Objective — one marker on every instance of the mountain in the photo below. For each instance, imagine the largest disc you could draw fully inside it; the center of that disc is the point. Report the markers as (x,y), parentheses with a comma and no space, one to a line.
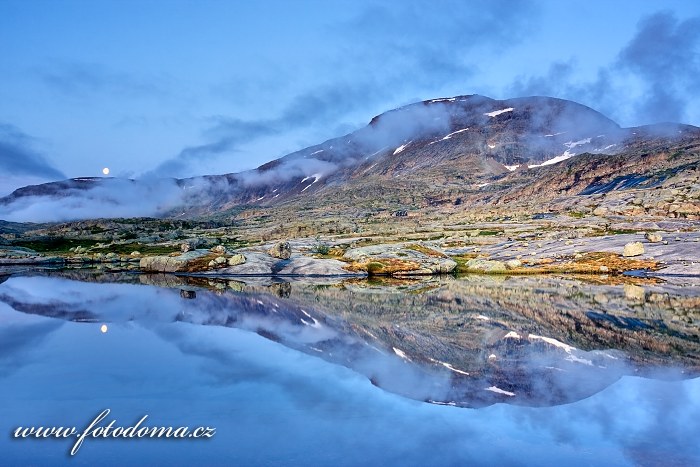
(448,156)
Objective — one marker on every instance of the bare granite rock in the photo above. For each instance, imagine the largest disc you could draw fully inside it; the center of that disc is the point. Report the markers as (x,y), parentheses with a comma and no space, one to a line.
(281,250)
(181,263)
(633,249)
(399,259)
(653,237)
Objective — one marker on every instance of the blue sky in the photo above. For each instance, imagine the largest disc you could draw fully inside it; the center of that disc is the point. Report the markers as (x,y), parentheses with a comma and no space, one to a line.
(184,88)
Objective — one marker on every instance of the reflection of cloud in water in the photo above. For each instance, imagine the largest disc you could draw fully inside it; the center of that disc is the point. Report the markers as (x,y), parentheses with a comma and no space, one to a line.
(271,403)
(532,370)
(19,335)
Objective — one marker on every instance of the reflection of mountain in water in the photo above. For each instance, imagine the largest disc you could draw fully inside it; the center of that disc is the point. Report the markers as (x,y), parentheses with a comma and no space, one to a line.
(470,341)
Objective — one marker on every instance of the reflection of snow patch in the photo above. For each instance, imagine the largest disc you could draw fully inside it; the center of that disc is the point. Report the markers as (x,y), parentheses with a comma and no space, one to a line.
(447,365)
(499,112)
(500,391)
(315,323)
(442,403)
(401,354)
(567,348)
(575,359)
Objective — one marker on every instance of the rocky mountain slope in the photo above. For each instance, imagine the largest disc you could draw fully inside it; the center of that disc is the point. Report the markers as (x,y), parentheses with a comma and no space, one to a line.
(457,156)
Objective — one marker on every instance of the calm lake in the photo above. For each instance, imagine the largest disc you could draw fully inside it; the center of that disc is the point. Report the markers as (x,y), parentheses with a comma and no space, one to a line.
(467,370)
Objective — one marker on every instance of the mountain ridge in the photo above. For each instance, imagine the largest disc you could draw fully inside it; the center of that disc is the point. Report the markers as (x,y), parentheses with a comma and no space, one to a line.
(463,141)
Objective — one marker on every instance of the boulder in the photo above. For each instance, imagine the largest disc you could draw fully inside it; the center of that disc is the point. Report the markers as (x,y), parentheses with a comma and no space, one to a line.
(652,237)
(399,259)
(633,249)
(281,250)
(513,263)
(235,260)
(487,266)
(219,249)
(184,262)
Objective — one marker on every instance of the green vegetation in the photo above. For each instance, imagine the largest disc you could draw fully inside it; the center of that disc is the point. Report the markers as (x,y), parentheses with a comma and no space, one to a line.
(55,244)
(145,250)
(461,261)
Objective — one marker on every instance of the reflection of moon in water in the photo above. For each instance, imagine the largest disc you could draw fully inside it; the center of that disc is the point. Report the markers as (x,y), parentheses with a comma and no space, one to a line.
(105,171)
(103,328)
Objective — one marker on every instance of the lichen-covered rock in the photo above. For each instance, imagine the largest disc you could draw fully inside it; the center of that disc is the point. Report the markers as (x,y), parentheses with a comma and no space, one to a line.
(653,237)
(399,259)
(633,249)
(235,260)
(513,263)
(185,262)
(218,249)
(485,265)
(281,250)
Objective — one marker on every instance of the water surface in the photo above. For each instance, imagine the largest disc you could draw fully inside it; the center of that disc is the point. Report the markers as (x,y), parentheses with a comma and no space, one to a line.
(440,371)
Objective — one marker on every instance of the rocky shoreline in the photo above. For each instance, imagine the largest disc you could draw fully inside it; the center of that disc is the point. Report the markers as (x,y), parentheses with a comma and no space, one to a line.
(512,250)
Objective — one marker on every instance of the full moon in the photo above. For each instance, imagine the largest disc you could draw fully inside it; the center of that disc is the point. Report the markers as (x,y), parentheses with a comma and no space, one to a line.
(103,328)
(105,171)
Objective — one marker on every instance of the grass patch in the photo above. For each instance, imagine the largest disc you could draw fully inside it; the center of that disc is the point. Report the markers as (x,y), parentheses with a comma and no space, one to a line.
(426,251)
(55,244)
(461,261)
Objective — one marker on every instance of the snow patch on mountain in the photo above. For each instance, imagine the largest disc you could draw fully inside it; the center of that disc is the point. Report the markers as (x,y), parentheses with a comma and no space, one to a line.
(555,160)
(316,178)
(512,167)
(453,133)
(401,148)
(499,112)
(573,144)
